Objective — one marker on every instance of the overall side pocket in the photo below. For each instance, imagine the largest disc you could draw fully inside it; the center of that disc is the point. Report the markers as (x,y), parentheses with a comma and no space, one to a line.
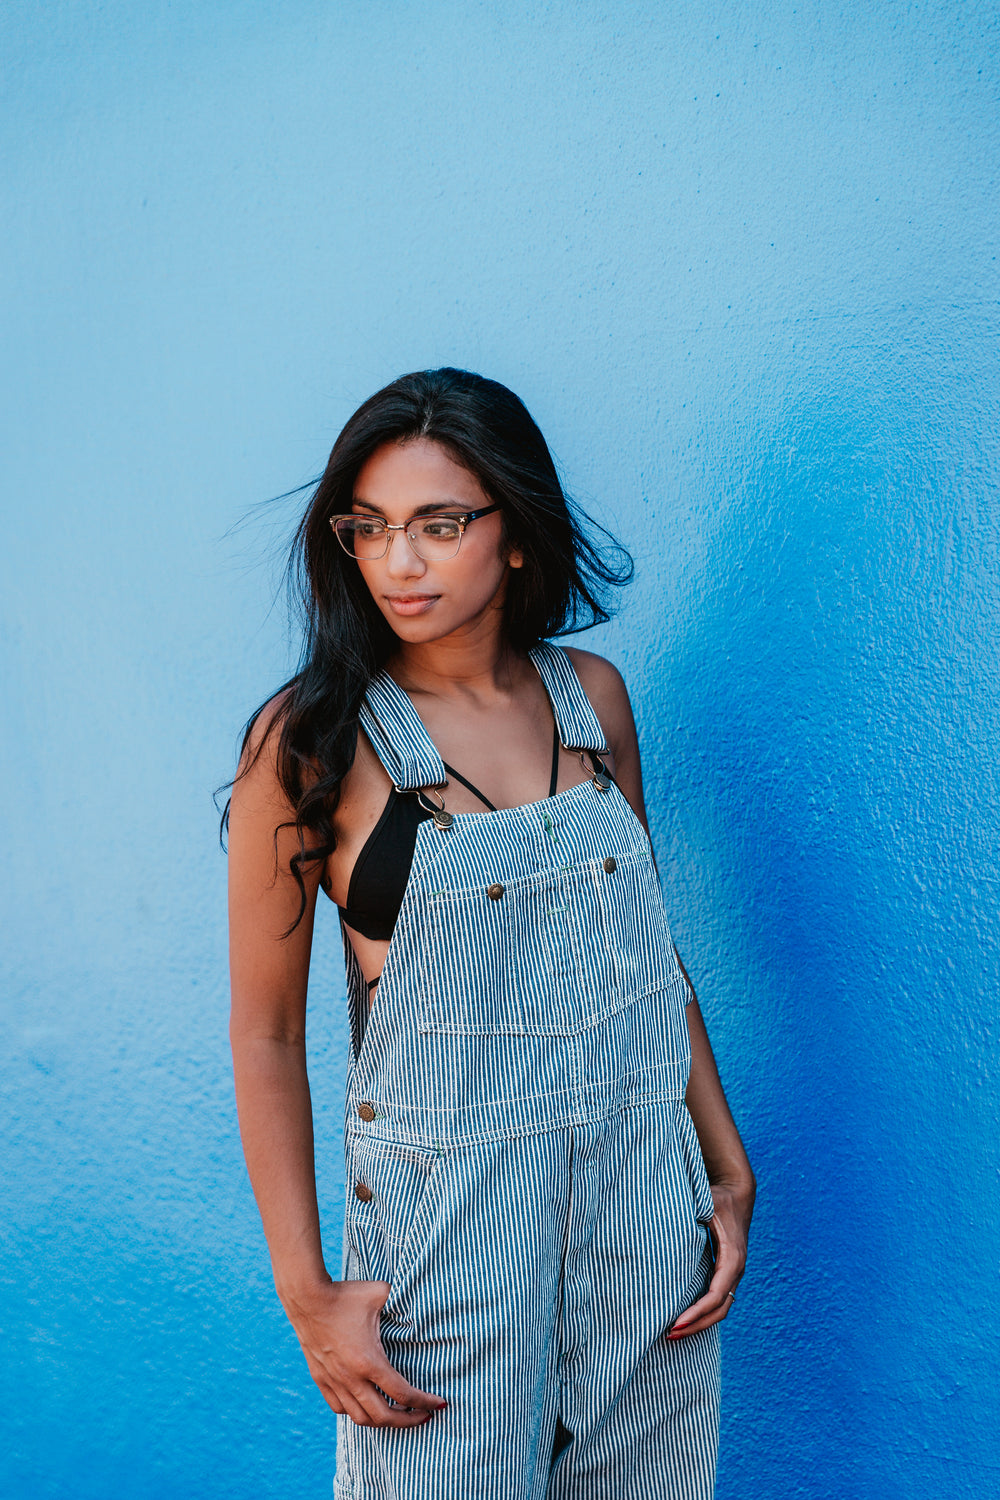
(387,1207)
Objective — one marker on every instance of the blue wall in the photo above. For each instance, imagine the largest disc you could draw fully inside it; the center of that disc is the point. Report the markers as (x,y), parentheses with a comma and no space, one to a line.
(741,264)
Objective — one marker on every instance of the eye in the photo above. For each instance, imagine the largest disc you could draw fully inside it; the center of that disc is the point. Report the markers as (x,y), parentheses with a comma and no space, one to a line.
(438,528)
(363,527)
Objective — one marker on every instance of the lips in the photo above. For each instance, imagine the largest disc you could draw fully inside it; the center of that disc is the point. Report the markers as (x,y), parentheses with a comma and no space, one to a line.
(410,604)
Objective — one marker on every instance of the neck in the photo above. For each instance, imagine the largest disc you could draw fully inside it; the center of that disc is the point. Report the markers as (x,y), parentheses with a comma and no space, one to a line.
(477,659)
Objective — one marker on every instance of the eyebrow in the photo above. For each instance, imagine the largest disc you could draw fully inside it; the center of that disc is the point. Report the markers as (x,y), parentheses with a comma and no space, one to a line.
(436,508)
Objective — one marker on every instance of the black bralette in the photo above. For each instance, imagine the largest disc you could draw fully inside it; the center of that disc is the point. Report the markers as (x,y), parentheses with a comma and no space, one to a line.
(382,869)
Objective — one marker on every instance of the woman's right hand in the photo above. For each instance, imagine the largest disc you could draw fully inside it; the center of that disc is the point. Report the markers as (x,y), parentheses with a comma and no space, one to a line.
(338,1327)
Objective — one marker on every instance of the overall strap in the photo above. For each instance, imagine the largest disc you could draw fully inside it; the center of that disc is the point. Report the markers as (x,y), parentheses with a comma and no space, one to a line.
(399,738)
(577,723)
(408,753)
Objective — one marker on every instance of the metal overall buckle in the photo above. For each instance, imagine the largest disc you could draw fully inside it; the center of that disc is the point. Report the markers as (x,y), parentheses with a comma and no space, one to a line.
(439,813)
(599,773)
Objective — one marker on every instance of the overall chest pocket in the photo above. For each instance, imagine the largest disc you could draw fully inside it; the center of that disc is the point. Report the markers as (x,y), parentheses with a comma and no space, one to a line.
(637,926)
(547,954)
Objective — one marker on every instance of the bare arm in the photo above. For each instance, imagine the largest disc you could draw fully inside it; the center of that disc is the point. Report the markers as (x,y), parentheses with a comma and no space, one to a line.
(729,1172)
(269,977)
(336,1322)
(730,1176)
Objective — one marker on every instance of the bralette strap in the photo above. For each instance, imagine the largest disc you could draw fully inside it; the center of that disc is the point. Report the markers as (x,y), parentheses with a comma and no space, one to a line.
(579,728)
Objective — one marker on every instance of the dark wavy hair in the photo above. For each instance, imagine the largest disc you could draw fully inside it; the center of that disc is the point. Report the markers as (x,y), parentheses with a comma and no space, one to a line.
(560,589)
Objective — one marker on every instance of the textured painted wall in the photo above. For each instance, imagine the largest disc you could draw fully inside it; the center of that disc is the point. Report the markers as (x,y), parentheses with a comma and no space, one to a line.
(741,264)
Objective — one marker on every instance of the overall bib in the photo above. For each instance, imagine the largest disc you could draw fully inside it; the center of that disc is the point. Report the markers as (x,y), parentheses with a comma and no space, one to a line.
(521,1165)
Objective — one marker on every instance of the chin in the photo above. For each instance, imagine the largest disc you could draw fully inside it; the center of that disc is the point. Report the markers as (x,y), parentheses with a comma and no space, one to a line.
(418,629)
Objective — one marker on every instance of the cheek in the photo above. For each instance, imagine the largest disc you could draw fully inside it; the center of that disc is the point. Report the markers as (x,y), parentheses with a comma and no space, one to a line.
(484,555)
(370,576)
(483,572)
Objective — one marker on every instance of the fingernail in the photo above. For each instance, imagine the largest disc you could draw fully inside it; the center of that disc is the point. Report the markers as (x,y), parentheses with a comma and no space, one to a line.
(443,1406)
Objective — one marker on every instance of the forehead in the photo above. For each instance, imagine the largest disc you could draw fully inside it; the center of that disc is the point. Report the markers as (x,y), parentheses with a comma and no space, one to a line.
(408,475)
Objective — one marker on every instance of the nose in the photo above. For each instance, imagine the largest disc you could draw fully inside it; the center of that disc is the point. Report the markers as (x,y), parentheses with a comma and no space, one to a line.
(401,561)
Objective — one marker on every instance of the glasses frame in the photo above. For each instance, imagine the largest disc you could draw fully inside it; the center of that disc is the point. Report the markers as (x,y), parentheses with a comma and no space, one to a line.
(463,518)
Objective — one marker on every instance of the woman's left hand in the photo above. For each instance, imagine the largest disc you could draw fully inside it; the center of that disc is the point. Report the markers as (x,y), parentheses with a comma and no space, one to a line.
(729,1227)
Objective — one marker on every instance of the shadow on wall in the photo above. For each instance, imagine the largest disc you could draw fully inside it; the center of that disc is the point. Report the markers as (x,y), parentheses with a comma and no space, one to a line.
(836,676)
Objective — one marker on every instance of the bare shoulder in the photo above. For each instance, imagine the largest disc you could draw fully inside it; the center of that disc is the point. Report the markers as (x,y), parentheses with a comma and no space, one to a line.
(257,779)
(605,687)
(265,727)
(601,678)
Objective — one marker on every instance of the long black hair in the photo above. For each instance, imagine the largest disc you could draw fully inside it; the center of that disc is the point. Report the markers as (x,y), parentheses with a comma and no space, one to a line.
(560,588)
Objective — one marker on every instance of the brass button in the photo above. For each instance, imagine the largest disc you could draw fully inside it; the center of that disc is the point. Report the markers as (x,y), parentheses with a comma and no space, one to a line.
(494,891)
(362,1193)
(610,864)
(366,1111)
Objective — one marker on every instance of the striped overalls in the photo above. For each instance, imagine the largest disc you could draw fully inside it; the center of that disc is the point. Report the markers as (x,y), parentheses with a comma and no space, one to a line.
(521,1165)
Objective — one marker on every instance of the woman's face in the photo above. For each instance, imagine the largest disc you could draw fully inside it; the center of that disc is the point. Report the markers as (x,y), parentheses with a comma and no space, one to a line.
(425,601)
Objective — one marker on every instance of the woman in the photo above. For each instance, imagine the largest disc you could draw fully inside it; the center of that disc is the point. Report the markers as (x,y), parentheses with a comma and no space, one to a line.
(530,1298)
